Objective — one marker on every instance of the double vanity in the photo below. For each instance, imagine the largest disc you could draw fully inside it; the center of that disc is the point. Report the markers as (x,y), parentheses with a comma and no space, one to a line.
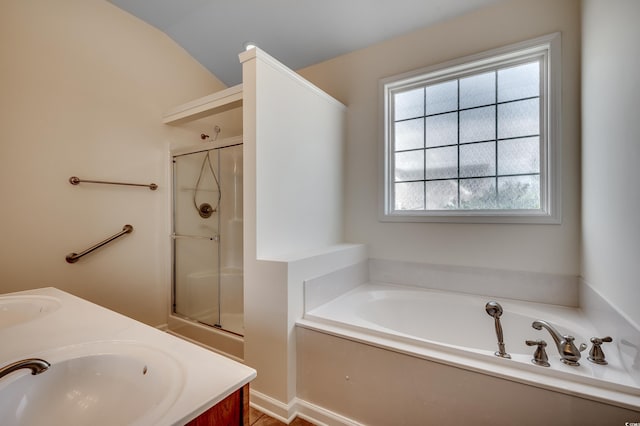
(95,366)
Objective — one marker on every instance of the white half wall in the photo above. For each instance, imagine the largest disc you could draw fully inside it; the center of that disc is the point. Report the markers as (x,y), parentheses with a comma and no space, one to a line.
(299,132)
(611,152)
(293,217)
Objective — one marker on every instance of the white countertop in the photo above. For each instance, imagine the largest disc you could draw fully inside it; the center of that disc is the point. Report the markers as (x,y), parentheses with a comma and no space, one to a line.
(207,377)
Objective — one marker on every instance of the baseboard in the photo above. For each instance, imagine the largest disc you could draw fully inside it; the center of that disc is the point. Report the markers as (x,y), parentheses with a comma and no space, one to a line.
(321,416)
(298,408)
(270,406)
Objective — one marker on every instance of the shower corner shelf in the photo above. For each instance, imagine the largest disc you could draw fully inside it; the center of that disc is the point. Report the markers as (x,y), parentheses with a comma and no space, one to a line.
(215,103)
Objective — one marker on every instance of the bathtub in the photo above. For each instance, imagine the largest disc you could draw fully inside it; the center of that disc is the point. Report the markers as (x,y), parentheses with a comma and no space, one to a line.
(454,329)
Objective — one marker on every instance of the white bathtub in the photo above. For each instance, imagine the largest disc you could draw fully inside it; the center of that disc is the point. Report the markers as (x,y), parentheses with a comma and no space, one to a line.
(454,329)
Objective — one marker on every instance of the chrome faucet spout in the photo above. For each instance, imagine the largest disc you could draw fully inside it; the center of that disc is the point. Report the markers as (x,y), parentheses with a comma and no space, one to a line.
(557,337)
(569,353)
(36,365)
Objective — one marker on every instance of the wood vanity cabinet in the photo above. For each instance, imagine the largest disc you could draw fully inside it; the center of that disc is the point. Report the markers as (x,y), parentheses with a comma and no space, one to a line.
(231,411)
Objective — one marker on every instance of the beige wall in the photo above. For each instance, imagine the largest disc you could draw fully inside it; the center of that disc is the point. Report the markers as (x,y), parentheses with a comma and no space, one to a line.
(353,79)
(611,152)
(84,86)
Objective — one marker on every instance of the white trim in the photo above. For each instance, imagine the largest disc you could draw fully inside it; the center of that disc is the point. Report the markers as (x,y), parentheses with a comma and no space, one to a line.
(297,407)
(548,48)
(206,146)
(256,53)
(321,416)
(215,103)
(272,407)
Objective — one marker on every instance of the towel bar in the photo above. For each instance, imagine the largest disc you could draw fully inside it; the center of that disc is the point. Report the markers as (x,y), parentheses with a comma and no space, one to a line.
(74,180)
(73,257)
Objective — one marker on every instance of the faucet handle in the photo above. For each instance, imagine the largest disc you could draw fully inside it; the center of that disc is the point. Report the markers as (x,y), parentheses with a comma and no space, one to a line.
(540,355)
(570,339)
(596,355)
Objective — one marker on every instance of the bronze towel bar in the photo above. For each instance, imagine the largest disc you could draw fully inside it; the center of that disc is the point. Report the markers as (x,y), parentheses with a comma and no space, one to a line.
(74,180)
(73,257)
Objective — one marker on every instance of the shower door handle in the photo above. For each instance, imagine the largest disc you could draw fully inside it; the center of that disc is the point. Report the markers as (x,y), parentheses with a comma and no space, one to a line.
(215,237)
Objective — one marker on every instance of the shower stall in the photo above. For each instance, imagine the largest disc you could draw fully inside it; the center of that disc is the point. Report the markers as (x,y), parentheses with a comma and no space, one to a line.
(207,235)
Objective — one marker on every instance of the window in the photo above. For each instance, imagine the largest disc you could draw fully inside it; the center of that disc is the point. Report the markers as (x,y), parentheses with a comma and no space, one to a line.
(475,140)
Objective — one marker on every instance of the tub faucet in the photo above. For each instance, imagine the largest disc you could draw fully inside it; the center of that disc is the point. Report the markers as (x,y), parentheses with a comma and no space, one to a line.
(36,366)
(569,354)
(494,309)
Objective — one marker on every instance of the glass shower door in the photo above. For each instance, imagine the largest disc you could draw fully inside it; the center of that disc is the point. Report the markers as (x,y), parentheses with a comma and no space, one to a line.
(207,236)
(196,238)
(231,260)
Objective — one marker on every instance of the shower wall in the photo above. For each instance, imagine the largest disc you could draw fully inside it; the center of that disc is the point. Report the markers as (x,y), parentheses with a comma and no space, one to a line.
(207,255)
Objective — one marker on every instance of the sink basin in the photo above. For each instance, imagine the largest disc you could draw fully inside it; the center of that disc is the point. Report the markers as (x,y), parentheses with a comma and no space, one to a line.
(103,383)
(19,309)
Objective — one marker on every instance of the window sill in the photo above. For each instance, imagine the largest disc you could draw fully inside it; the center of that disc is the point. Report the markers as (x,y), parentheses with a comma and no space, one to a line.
(496,217)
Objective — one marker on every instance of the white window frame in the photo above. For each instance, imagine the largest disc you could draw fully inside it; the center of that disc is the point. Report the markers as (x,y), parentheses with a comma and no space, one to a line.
(547,48)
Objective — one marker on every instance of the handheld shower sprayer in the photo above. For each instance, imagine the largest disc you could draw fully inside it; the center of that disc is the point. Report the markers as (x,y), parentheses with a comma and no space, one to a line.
(494,310)
(205,210)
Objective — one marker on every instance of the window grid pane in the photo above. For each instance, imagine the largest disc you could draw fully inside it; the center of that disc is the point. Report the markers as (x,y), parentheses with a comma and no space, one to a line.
(461,145)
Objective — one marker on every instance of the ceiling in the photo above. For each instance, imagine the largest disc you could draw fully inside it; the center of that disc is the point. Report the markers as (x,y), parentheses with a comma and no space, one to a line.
(296,32)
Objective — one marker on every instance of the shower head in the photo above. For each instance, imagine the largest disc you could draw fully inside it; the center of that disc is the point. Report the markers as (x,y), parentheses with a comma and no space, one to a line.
(494,309)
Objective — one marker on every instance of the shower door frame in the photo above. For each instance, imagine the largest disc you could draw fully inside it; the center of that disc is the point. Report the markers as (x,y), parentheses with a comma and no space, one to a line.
(193,149)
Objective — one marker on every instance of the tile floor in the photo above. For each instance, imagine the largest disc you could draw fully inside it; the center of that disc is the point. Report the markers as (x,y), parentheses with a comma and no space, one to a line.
(258,418)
